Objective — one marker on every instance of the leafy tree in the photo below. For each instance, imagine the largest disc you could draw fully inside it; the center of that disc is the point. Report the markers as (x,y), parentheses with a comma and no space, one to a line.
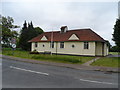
(7,34)
(38,31)
(116,34)
(14,34)
(27,33)
(7,22)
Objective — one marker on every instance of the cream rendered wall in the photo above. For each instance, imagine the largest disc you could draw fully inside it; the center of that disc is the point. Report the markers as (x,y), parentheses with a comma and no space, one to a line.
(78,49)
(46,47)
(99,48)
(33,47)
(68,49)
(105,49)
(94,48)
(90,51)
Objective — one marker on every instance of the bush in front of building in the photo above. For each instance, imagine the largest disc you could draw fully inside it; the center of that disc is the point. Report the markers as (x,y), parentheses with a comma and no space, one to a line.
(34,52)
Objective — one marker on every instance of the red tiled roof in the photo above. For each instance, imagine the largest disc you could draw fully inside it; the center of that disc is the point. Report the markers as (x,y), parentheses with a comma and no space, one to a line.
(82,34)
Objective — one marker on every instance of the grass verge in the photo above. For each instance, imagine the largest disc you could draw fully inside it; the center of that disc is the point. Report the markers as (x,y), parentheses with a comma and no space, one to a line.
(107,61)
(54,58)
(113,53)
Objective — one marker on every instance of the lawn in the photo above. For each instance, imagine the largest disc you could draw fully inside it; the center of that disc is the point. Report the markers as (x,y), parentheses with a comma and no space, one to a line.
(54,58)
(107,61)
(113,53)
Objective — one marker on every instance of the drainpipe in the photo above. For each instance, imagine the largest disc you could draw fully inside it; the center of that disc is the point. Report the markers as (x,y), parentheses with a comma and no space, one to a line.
(95,48)
(51,40)
(56,47)
(102,48)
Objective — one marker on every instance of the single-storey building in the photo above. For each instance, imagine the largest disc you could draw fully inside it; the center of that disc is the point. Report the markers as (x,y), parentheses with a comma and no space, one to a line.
(72,42)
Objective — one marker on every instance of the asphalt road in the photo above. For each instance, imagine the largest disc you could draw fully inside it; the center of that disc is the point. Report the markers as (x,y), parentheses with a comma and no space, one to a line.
(16,74)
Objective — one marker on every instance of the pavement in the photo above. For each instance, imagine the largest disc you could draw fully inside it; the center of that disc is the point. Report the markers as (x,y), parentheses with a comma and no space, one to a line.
(85,66)
(113,55)
(91,61)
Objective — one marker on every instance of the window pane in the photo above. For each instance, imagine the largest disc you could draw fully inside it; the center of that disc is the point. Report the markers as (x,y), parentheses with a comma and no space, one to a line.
(61,44)
(86,45)
(35,44)
(51,44)
(73,46)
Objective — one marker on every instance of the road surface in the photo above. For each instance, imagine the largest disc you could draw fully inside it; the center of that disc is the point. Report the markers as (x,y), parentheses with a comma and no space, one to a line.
(18,74)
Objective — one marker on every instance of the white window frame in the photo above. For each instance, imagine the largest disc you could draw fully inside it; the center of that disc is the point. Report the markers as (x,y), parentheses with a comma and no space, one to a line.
(62,45)
(86,45)
(52,44)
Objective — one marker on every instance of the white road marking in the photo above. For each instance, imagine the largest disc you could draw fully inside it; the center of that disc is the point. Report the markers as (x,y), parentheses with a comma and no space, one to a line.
(29,70)
(96,81)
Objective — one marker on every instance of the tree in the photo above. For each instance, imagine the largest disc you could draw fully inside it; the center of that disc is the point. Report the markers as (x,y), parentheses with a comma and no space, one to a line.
(7,22)
(114,49)
(38,31)
(116,34)
(23,36)
(7,34)
(27,33)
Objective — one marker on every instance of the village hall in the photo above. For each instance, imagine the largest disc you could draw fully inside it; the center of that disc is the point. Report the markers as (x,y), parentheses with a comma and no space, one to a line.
(83,42)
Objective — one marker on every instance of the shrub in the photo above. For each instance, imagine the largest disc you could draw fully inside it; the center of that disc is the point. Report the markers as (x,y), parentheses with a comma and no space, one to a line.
(34,52)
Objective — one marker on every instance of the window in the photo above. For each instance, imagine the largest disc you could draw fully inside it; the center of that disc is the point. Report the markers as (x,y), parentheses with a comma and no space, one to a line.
(73,46)
(61,44)
(52,44)
(36,45)
(43,45)
(86,45)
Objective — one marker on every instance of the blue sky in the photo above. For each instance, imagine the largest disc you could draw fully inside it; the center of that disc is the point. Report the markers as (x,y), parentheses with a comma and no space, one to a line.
(99,16)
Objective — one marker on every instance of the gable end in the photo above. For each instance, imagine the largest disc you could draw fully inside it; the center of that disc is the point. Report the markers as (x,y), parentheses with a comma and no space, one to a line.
(73,37)
(44,38)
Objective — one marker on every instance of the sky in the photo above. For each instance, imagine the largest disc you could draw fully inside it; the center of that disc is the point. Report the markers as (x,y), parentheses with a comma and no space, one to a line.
(99,15)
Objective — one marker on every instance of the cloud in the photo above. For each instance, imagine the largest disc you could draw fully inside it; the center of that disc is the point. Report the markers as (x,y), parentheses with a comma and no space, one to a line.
(49,16)
(37,1)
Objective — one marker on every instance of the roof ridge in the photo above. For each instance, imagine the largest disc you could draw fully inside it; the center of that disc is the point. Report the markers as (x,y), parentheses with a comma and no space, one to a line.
(70,30)
(51,31)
